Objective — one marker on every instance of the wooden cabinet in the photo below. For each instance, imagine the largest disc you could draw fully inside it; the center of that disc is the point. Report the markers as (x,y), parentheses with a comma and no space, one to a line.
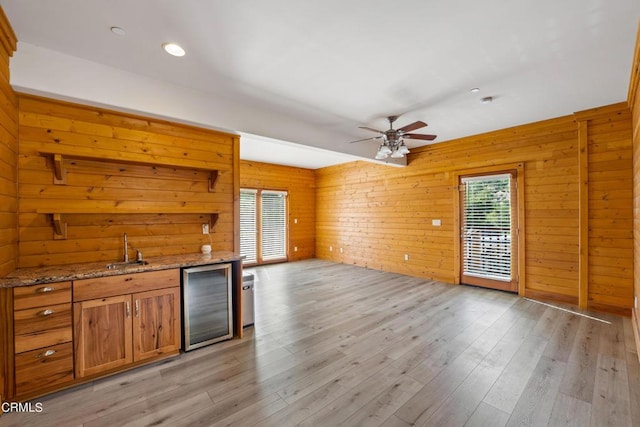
(156,323)
(42,337)
(117,330)
(102,334)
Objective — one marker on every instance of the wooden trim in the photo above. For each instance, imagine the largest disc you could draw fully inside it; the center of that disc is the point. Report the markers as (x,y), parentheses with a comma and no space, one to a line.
(520,206)
(636,333)
(598,112)
(583,215)
(7,380)
(521,229)
(457,228)
(634,79)
(236,194)
(547,296)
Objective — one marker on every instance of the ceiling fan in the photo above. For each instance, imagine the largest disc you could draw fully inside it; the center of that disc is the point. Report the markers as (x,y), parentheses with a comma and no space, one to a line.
(393,139)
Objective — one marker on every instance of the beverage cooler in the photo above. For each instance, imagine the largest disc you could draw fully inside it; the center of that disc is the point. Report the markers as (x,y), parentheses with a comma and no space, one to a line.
(207,305)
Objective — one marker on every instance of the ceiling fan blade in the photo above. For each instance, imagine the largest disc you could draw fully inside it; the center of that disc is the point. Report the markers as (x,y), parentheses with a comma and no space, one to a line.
(371,129)
(412,126)
(365,139)
(419,136)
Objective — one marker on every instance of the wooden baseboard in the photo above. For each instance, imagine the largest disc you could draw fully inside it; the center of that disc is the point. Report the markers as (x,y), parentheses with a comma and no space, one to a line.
(606,308)
(549,297)
(636,332)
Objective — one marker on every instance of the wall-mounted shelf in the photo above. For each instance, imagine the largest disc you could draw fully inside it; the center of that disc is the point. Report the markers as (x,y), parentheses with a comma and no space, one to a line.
(60,173)
(59,223)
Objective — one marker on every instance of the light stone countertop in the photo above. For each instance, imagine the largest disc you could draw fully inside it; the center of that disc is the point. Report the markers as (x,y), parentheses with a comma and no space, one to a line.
(62,273)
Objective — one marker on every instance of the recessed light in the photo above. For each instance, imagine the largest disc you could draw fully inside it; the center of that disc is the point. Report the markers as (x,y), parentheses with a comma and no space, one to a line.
(173,49)
(487,100)
(475,89)
(119,31)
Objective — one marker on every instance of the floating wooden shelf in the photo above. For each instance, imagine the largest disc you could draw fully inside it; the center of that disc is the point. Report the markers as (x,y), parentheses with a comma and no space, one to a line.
(59,223)
(60,173)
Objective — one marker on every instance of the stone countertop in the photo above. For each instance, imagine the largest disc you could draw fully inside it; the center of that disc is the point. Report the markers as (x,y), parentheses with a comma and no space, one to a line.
(62,273)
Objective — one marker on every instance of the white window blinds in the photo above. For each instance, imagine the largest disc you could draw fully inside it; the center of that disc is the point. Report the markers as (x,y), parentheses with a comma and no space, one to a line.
(248,226)
(274,225)
(263,225)
(487,227)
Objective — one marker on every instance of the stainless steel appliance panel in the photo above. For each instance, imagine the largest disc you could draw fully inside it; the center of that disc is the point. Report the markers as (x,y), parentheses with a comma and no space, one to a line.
(207,310)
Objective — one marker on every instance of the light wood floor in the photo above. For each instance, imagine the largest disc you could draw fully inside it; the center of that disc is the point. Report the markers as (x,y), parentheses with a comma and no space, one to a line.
(342,345)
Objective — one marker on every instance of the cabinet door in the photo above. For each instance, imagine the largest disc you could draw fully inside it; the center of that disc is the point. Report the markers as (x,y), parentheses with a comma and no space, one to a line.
(156,323)
(103,334)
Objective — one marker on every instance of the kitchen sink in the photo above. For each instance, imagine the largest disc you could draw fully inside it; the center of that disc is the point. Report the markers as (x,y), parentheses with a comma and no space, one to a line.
(123,265)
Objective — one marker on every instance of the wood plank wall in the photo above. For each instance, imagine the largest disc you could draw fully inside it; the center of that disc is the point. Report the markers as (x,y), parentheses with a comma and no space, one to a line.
(8,187)
(154,186)
(377,214)
(633,100)
(8,153)
(300,184)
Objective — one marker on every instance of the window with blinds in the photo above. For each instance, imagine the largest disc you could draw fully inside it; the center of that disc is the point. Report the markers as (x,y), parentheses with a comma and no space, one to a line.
(248,224)
(263,225)
(486,230)
(274,225)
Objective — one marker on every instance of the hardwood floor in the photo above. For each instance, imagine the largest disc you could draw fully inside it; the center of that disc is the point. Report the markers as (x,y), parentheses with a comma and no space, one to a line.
(341,345)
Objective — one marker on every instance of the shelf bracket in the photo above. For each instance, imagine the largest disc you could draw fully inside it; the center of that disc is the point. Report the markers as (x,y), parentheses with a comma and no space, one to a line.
(59,172)
(213,179)
(59,227)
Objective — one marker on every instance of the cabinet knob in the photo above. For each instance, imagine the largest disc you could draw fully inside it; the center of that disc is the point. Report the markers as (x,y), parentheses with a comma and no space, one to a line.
(47,312)
(47,353)
(46,289)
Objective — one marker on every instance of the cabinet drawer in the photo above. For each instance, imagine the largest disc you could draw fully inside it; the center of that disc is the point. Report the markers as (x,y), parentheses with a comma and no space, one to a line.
(42,327)
(43,368)
(41,295)
(103,287)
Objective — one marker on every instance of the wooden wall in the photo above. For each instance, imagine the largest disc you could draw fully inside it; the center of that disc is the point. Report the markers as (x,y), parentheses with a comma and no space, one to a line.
(300,184)
(123,173)
(8,153)
(377,214)
(634,104)
(8,186)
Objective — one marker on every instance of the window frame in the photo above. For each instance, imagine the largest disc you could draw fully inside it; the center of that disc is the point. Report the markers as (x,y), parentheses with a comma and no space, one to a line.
(258,209)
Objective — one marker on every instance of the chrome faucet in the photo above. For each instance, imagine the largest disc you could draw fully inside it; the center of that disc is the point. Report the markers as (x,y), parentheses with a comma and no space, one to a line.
(126,248)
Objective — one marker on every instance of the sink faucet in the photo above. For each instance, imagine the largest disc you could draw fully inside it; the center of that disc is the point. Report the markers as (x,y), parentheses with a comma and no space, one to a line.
(126,248)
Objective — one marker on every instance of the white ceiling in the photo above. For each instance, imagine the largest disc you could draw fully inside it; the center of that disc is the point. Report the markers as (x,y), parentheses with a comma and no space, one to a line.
(294,74)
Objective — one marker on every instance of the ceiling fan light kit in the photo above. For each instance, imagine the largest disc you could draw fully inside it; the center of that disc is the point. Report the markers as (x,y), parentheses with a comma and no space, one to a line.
(393,139)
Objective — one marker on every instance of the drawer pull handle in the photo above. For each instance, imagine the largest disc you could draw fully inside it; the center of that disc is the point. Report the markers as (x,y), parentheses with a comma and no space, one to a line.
(137,308)
(47,353)
(128,309)
(46,289)
(47,312)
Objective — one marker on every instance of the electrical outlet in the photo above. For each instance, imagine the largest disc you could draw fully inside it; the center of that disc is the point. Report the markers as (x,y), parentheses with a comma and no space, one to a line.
(205,228)
(406,257)
(295,220)
(330,248)
(436,222)
(295,249)
(341,250)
